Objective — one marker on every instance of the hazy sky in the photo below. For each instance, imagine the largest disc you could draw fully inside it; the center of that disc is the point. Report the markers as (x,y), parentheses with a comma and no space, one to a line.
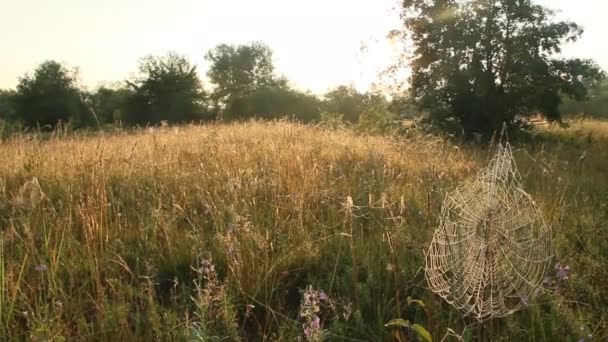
(316,42)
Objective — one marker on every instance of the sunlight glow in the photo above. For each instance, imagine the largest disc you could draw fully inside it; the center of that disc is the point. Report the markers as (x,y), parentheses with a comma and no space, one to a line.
(317,43)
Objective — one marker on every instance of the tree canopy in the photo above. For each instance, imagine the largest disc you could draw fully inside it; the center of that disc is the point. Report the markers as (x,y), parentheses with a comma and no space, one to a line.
(274,103)
(345,100)
(485,62)
(238,71)
(7,106)
(49,96)
(167,89)
(596,103)
(108,103)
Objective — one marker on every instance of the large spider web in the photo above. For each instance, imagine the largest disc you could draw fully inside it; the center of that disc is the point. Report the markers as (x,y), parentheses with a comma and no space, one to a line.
(490,252)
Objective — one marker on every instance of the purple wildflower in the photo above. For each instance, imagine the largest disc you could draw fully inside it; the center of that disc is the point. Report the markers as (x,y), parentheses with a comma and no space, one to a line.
(307,331)
(562,272)
(310,308)
(41,268)
(207,267)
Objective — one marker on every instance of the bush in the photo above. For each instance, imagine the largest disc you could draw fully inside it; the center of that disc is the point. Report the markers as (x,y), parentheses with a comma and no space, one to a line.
(596,105)
(49,97)
(9,128)
(347,101)
(274,103)
(168,89)
(377,118)
(332,120)
(378,121)
(7,104)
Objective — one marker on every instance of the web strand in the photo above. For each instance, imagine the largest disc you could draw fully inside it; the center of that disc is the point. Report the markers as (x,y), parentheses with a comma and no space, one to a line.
(490,252)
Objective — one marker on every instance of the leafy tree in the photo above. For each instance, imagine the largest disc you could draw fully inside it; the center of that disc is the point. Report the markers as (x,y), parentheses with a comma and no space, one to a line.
(7,105)
(49,96)
(595,105)
(276,102)
(345,100)
(8,123)
(239,71)
(109,103)
(168,89)
(377,116)
(485,62)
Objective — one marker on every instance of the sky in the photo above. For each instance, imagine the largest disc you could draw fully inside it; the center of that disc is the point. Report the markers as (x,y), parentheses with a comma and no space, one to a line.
(317,43)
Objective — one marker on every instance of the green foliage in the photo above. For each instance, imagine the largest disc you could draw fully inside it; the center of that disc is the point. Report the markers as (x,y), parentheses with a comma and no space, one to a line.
(332,120)
(422,332)
(376,117)
(239,71)
(49,96)
(596,104)
(9,128)
(347,101)
(485,62)
(167,89)
(273,103)
(398,325)
(7,105)
(8,123)
(109,104)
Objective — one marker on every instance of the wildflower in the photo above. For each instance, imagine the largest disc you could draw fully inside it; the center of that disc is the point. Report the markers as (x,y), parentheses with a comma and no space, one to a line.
(309,311)
(562,272)
(347,311)
(308,332)
(390,267)
(207,267)
(41,268)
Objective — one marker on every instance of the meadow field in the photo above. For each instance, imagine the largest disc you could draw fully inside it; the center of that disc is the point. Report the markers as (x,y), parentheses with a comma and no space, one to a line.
(277,232)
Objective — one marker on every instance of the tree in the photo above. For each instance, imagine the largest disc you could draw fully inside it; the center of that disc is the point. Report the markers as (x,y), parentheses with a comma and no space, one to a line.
(167,89)
(239,71)
(49,96)
(7,105)
(345,100)
(595,105)
(378,116)
(485,62)
(276,102)
(109,103)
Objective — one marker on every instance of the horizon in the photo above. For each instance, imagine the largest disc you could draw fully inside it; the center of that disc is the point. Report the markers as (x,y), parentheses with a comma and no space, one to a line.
(316,50)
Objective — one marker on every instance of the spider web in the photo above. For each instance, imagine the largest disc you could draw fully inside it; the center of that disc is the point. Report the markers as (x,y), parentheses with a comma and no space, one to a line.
(489,255)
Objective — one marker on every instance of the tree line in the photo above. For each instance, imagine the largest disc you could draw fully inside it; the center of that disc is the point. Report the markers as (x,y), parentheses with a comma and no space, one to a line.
(167,88)
(479,64)
(475,65)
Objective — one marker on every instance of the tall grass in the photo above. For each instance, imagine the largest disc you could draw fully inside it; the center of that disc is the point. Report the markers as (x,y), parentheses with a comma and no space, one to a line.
(215,232)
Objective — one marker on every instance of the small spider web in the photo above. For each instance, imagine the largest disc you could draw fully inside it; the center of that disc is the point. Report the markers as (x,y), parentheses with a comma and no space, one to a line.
(489,255)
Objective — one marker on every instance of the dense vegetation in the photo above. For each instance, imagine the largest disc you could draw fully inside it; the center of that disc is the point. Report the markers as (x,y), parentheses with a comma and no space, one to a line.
(215,232)
(475,65)
(163,208)
(596,104)
(168,89)
(489,62)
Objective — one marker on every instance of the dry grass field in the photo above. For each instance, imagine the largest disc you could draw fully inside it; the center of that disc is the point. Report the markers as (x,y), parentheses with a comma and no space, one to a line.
(274,232)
